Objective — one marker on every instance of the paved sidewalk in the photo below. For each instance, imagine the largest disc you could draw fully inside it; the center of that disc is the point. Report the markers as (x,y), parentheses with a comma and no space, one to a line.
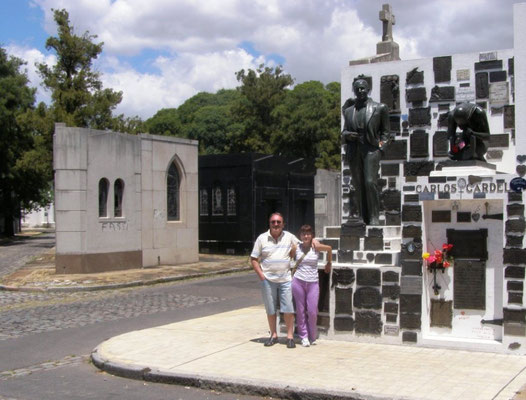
(226,352)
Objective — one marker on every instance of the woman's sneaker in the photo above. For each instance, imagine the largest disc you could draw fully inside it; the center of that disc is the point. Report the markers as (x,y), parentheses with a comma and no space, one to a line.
(305,342)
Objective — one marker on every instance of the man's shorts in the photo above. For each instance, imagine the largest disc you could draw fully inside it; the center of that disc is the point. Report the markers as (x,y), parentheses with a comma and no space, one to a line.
(272,291)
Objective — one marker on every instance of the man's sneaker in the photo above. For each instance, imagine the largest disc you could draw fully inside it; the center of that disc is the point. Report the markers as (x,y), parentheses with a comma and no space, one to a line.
(305,342)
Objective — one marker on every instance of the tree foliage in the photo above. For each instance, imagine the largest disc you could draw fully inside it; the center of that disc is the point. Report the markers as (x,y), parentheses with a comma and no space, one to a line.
(22,181)
(78,98)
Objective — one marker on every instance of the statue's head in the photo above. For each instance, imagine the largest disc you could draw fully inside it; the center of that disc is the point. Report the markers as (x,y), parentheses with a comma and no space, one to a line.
(462,113)
(361,89)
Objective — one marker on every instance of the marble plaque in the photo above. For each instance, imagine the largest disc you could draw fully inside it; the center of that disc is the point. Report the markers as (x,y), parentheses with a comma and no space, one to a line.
(469,291)
(498,92)
(419,116)
(442,69)
(481,85)
(465,94)
(463,74)
(343,300)
(441,313)
(488,56)
(391,330)
(419,144)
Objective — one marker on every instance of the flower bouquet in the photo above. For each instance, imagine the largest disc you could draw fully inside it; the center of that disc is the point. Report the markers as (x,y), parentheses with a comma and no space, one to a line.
(438,260)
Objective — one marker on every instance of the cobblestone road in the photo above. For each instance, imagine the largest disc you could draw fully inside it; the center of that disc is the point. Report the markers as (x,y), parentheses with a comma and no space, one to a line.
(15,253)
(24,313)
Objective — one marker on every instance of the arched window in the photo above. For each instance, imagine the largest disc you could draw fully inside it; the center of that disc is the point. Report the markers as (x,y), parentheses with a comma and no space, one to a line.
(172,191)
(118,194)
(104,186)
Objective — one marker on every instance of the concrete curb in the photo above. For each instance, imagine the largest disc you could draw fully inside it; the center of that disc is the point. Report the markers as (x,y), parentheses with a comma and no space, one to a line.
(121,285)
(240,386)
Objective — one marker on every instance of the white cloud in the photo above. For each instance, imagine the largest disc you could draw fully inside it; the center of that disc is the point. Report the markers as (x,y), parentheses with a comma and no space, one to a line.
(200,39)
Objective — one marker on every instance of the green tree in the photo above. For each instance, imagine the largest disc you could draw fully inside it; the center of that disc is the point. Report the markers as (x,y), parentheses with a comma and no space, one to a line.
(22,182)
(165,122)
(261,92)
(78,98)
(309,124)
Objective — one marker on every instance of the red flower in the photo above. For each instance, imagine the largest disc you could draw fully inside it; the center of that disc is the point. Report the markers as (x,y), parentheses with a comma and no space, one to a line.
(446,264)
(455,149)
(447,246)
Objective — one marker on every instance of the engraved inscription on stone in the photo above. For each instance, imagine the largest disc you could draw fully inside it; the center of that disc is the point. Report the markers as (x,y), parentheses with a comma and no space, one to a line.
(411,285)
(509,116)
(488,56)
(391,330)
(368,322)
(414,77)
(499,140)
(343,301)
(368,277)
(465,94)
(415,94)
(368,297)
(499,93)
(469,285)
(343,276)
(397,150)
(419,144)
(463,74)
(442,93)
(440,144)
(441,313)
(442,69)
(419,116)
(481,85)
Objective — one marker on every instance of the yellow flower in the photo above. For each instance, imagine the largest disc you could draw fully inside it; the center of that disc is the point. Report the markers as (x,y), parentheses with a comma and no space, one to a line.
(425,256)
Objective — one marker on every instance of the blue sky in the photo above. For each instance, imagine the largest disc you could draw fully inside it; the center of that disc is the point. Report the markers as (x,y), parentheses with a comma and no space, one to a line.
(161,52)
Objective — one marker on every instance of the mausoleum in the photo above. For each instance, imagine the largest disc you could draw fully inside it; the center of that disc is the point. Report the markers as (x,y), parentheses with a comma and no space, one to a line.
(123,201)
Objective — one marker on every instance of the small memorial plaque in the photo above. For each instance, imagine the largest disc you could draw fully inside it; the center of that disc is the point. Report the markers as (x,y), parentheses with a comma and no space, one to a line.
(497,76)
(412,267)
(390,169)
(499,140)
(464,216)
(488,56)
(440,144)
(343,276)
(391,291)
(441,313)
(414,77)
(411,285)
(369,322)
(343,301)
(411,213)
(465,94)
(418,168)
(470,285)
(499,93)
(325,291)
(410,321)
(390,91)
(391,330)
(368,277)
(390,276)
(343,323)
(391,200)
(368,297)
(481,85)
(492,64)
(463,74)
(442,93)
(509,116)
(511,68)
(468,244)
(394,123)
(391,308)
(419,144)
(411,303)
(514,272)
(415,94)
(442,69)
(419,116)
(441,216)
(397,150)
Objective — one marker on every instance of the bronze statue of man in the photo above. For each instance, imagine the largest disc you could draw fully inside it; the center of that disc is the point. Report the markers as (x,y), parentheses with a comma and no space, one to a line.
(366,134)
(471,143)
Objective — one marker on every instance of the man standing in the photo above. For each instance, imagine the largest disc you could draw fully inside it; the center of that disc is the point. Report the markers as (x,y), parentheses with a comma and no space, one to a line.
(270,259)
(366,133)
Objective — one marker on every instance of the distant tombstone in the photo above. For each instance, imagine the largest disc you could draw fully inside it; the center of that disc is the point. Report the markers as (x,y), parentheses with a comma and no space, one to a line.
(419,116)
(469,291)
(509,116)
(419,144)
(413,95)
(414,77)
(481,85)
(440,144)
(442,93)
(463,74)
(441,313)
(442,69)
(499,93)
(390,92)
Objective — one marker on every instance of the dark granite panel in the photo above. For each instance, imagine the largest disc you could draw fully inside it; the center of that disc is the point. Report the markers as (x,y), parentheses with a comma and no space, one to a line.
(343,323)
(513,315)
(391,308)
(514,241)
(418,168)
(514,256)
(411,213)
(412,231)
(514,272)
(410,321)
(391,291)
(481,85)
(419,145)
(412,268)
(497,76)
(415,94)
(409,337)
(397,150)
(515,297)
(390,169)
(383,258)
(373,243)
(469,291)
(391,200)
(514,196)
(515,225)
(343,300)
(442,69)
(368,277)
(492,64)
(515,286)
(368,322)
(410,303)
(499,140)
(410,198)
(420,116)
(515,210)
(441,216)
(390,276)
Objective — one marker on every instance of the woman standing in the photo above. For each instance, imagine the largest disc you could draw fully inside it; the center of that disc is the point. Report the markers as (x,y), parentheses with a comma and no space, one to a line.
(305,287)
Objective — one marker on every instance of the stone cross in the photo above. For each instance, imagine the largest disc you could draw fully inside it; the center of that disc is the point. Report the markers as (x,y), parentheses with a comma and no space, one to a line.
(388,20)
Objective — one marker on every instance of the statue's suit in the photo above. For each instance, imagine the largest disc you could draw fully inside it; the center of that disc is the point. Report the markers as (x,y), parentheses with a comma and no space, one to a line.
(364,155)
